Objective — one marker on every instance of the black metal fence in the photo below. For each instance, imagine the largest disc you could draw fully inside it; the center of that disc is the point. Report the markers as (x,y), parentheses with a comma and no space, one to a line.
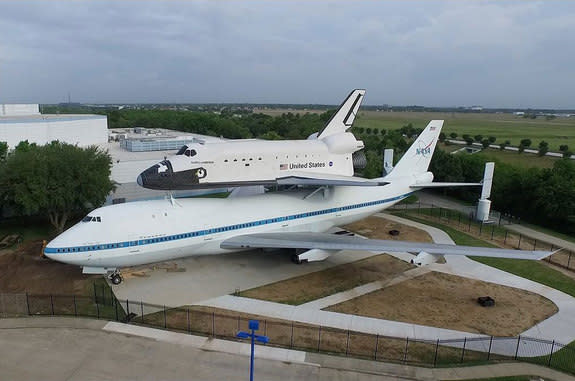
(494,230)
(289,334)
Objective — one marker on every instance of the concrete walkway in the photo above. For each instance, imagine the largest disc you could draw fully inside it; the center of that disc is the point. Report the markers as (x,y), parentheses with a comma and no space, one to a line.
(58,348)
(557,327)
(358,291)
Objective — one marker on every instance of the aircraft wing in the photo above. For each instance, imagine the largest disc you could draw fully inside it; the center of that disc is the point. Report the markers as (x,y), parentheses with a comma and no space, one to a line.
(326,241)
(443,185)
(326,179)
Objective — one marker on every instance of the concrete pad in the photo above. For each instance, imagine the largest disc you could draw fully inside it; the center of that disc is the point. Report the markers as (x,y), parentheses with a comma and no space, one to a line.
(208,277)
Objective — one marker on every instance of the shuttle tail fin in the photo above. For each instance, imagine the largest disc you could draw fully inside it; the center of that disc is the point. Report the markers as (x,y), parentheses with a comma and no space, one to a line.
(417,158)
(343,118)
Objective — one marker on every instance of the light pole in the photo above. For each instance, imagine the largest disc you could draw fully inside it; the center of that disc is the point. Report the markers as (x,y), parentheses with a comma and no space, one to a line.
(254,325)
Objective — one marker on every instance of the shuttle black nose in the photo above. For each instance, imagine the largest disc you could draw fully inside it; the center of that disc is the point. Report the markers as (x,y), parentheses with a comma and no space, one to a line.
(139,181)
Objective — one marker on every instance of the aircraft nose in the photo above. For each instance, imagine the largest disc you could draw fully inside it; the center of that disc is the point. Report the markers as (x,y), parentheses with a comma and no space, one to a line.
(139,181)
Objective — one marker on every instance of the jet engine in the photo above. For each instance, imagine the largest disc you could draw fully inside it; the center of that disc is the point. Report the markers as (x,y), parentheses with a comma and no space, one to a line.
(424,259)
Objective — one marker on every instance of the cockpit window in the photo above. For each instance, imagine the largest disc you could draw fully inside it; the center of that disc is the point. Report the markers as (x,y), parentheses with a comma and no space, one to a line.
(182,150)
(91,219)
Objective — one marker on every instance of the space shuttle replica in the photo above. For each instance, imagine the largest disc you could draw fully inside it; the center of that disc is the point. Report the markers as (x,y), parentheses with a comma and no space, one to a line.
(328,157)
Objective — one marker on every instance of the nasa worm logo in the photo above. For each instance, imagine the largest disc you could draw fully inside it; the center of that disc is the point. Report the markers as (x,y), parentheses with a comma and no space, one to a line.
(425,150)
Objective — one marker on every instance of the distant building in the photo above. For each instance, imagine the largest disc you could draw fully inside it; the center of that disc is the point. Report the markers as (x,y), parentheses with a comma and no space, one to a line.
(19,122)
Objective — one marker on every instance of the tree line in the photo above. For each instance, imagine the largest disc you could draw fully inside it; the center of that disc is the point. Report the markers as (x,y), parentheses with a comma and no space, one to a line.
(544,196)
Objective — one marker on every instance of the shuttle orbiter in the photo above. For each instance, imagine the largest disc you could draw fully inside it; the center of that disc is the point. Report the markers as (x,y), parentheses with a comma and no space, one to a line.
(325,158)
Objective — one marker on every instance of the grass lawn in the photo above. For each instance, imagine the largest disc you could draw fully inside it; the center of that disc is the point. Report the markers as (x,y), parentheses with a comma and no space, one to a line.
(532,270)
(503,126)
(523,160)
(28,232)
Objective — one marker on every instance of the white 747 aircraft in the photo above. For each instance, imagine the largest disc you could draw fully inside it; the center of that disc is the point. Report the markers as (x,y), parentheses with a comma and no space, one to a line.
(144,232)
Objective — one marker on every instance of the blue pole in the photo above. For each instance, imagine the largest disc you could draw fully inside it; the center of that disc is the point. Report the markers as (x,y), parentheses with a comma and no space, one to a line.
(252,357)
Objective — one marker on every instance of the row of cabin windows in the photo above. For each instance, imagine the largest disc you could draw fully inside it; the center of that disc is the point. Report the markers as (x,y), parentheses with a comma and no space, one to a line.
(222,229)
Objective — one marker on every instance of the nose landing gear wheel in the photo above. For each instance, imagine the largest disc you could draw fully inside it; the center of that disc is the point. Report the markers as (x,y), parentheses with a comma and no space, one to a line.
(116,278)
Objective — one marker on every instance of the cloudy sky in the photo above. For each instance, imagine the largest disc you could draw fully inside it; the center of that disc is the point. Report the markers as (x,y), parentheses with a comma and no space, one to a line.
(448,53)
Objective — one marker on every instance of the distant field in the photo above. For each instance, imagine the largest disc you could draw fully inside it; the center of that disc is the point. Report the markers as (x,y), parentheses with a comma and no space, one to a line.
(503,126)
(524,160)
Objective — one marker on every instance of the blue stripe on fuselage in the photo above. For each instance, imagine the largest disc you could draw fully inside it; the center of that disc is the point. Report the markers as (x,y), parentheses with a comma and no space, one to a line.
(199,233)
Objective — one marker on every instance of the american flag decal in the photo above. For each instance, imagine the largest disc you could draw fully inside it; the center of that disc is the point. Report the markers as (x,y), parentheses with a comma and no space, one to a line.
(283,166)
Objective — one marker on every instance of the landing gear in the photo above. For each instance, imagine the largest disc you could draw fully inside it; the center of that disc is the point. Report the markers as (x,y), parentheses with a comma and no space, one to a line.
(116,277)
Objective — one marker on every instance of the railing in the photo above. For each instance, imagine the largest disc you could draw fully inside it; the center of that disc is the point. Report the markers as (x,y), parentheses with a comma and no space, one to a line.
(493,230)
(289,334)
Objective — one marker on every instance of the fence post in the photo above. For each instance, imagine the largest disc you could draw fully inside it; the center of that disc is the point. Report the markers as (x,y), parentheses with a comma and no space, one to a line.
(95,295)
(499,223)
(435,357)
(75,308)
(519,244)
(469,225)
(165,318)
(534,244)
(116,311)
(97,310)
(505,239)
(213,324)
(142,311)
(405,351)
(291,339)
(28,304)
(347,344)
(569,259)
(492,231)
(551,354)
(480,228)
(376,346)
(188,320)
(489,350)
(127,307)
(463,351)
(52,304)
(319,338)
(459,219)
(517,348)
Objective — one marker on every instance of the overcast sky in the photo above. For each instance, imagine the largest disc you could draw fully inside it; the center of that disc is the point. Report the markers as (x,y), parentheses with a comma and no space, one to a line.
(449,53)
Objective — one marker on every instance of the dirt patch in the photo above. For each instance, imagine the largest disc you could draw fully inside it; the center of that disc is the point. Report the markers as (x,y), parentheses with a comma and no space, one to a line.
(379,228)
(24,270)
(449,301)
(317,285)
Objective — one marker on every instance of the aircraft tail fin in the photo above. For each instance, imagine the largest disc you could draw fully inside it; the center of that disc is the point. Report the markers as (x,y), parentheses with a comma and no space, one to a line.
(343,118)
(417,158)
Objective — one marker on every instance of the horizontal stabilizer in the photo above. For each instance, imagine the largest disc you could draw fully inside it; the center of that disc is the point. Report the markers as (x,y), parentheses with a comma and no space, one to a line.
(327,241)
(445,185)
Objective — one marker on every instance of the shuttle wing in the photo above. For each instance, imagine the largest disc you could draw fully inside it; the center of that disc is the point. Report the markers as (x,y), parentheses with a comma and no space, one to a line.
(325,179)
(326,241)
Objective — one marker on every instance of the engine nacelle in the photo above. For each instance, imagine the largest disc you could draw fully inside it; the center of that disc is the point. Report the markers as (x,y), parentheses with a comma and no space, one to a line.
(315,255)
(342,143)
(424,259)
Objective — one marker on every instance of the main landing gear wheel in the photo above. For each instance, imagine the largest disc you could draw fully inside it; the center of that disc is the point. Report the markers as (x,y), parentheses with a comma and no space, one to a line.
(116,278)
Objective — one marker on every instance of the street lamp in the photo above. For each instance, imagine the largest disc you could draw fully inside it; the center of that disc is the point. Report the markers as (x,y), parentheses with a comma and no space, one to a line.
(254,325)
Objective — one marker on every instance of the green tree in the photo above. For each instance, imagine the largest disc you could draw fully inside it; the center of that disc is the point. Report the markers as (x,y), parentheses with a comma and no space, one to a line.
(478,138)
(492,139)
(543,148)
(58,180)
(469,141)
(563,147)
(368,130)
(442,137)
(567,154)
(453,135)
(485,143)
(526,142)
(270,135)
(3,150)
